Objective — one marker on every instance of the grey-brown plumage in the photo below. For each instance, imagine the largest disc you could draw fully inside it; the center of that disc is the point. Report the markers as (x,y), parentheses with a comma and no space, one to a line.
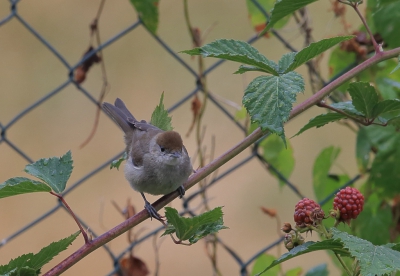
(158,162)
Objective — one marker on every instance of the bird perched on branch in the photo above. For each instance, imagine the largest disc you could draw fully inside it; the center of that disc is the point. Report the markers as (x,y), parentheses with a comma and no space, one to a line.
(158,162)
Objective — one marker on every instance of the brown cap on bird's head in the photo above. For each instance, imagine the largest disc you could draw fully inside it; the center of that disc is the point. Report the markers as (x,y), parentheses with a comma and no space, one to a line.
(170,140)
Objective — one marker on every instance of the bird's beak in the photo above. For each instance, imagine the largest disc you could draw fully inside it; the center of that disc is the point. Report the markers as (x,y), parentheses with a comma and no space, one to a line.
(176,154)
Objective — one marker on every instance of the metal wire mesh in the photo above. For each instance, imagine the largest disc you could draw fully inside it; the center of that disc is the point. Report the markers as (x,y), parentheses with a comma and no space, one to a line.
(14,15)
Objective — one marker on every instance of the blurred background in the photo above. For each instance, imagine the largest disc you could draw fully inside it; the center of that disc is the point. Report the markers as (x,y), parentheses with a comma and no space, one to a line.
(138,70)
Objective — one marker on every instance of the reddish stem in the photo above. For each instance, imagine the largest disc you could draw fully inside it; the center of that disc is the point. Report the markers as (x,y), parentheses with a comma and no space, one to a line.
(60,197)
(377,47)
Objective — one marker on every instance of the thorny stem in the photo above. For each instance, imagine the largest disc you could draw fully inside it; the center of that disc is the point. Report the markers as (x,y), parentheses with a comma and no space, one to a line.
(203,172)
(84,234)
(378,49)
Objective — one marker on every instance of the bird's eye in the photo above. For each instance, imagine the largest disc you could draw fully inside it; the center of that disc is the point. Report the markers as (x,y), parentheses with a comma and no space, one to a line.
(162,149)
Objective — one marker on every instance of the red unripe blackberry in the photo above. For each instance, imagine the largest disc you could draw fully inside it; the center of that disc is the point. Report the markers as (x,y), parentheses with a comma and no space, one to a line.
(307,213)
(349,203)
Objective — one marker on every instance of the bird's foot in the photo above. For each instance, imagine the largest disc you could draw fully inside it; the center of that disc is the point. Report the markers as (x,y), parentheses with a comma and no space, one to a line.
(181,191)
(152,211)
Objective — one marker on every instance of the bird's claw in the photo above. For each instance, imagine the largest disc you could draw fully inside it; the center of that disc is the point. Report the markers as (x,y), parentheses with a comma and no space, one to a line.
(181,191)
(152,212)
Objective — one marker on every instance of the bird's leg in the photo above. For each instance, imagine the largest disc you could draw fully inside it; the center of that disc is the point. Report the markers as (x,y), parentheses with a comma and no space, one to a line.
(181,191)
(150,209)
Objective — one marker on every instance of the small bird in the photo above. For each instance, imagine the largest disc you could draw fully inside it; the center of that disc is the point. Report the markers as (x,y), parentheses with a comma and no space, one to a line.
(158,162)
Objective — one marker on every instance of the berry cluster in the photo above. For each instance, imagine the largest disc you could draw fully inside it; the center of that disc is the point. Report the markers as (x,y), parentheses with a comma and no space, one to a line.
(307,213)
(349,202)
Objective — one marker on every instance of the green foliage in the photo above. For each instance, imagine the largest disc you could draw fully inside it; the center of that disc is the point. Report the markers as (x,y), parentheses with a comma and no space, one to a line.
(195,228)
(397,66)
(21,185)
(53,171)
(269,99)
(363,148)
(148,13)
(320,121)
(278,156)
(374,216)
(283,8)
(314,49)
(160,117)
(308,247)
(364,98)
(238,51)
(386,21)
(261,262)
(257,17)
(347,107)
(30,264)
(117,163)
(373,260)
(385,171)
(319,270)
(365,107)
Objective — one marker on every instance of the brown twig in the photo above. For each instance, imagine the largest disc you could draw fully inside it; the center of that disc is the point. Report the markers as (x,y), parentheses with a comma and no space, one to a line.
(84,234)
(95,32)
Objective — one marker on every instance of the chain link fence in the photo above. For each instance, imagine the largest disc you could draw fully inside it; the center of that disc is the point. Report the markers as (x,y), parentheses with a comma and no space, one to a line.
(243,265)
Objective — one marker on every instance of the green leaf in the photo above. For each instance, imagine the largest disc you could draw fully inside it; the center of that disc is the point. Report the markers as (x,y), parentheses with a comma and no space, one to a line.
(385,171)
(53,171)
(285,61)
(236,50)
(269,99)
(397,66)
(117,163)
(395,121)
(319,270)
(307,247)
(387,23)
(320,121)
(247,68)
(314,49)
(47,253)
(21,185)
(363,148)
(375,215)
(386,106)
(257,16)
(194,228)
(148,13)
(373,260)
(261,262)
(160,117)
(283,8)
(15,264)
(278,156)
(364,98)
(30,261)
(206,229)
(347,107)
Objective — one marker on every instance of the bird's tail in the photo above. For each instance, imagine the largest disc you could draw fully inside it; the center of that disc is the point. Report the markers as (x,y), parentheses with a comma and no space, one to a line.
(120,114)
